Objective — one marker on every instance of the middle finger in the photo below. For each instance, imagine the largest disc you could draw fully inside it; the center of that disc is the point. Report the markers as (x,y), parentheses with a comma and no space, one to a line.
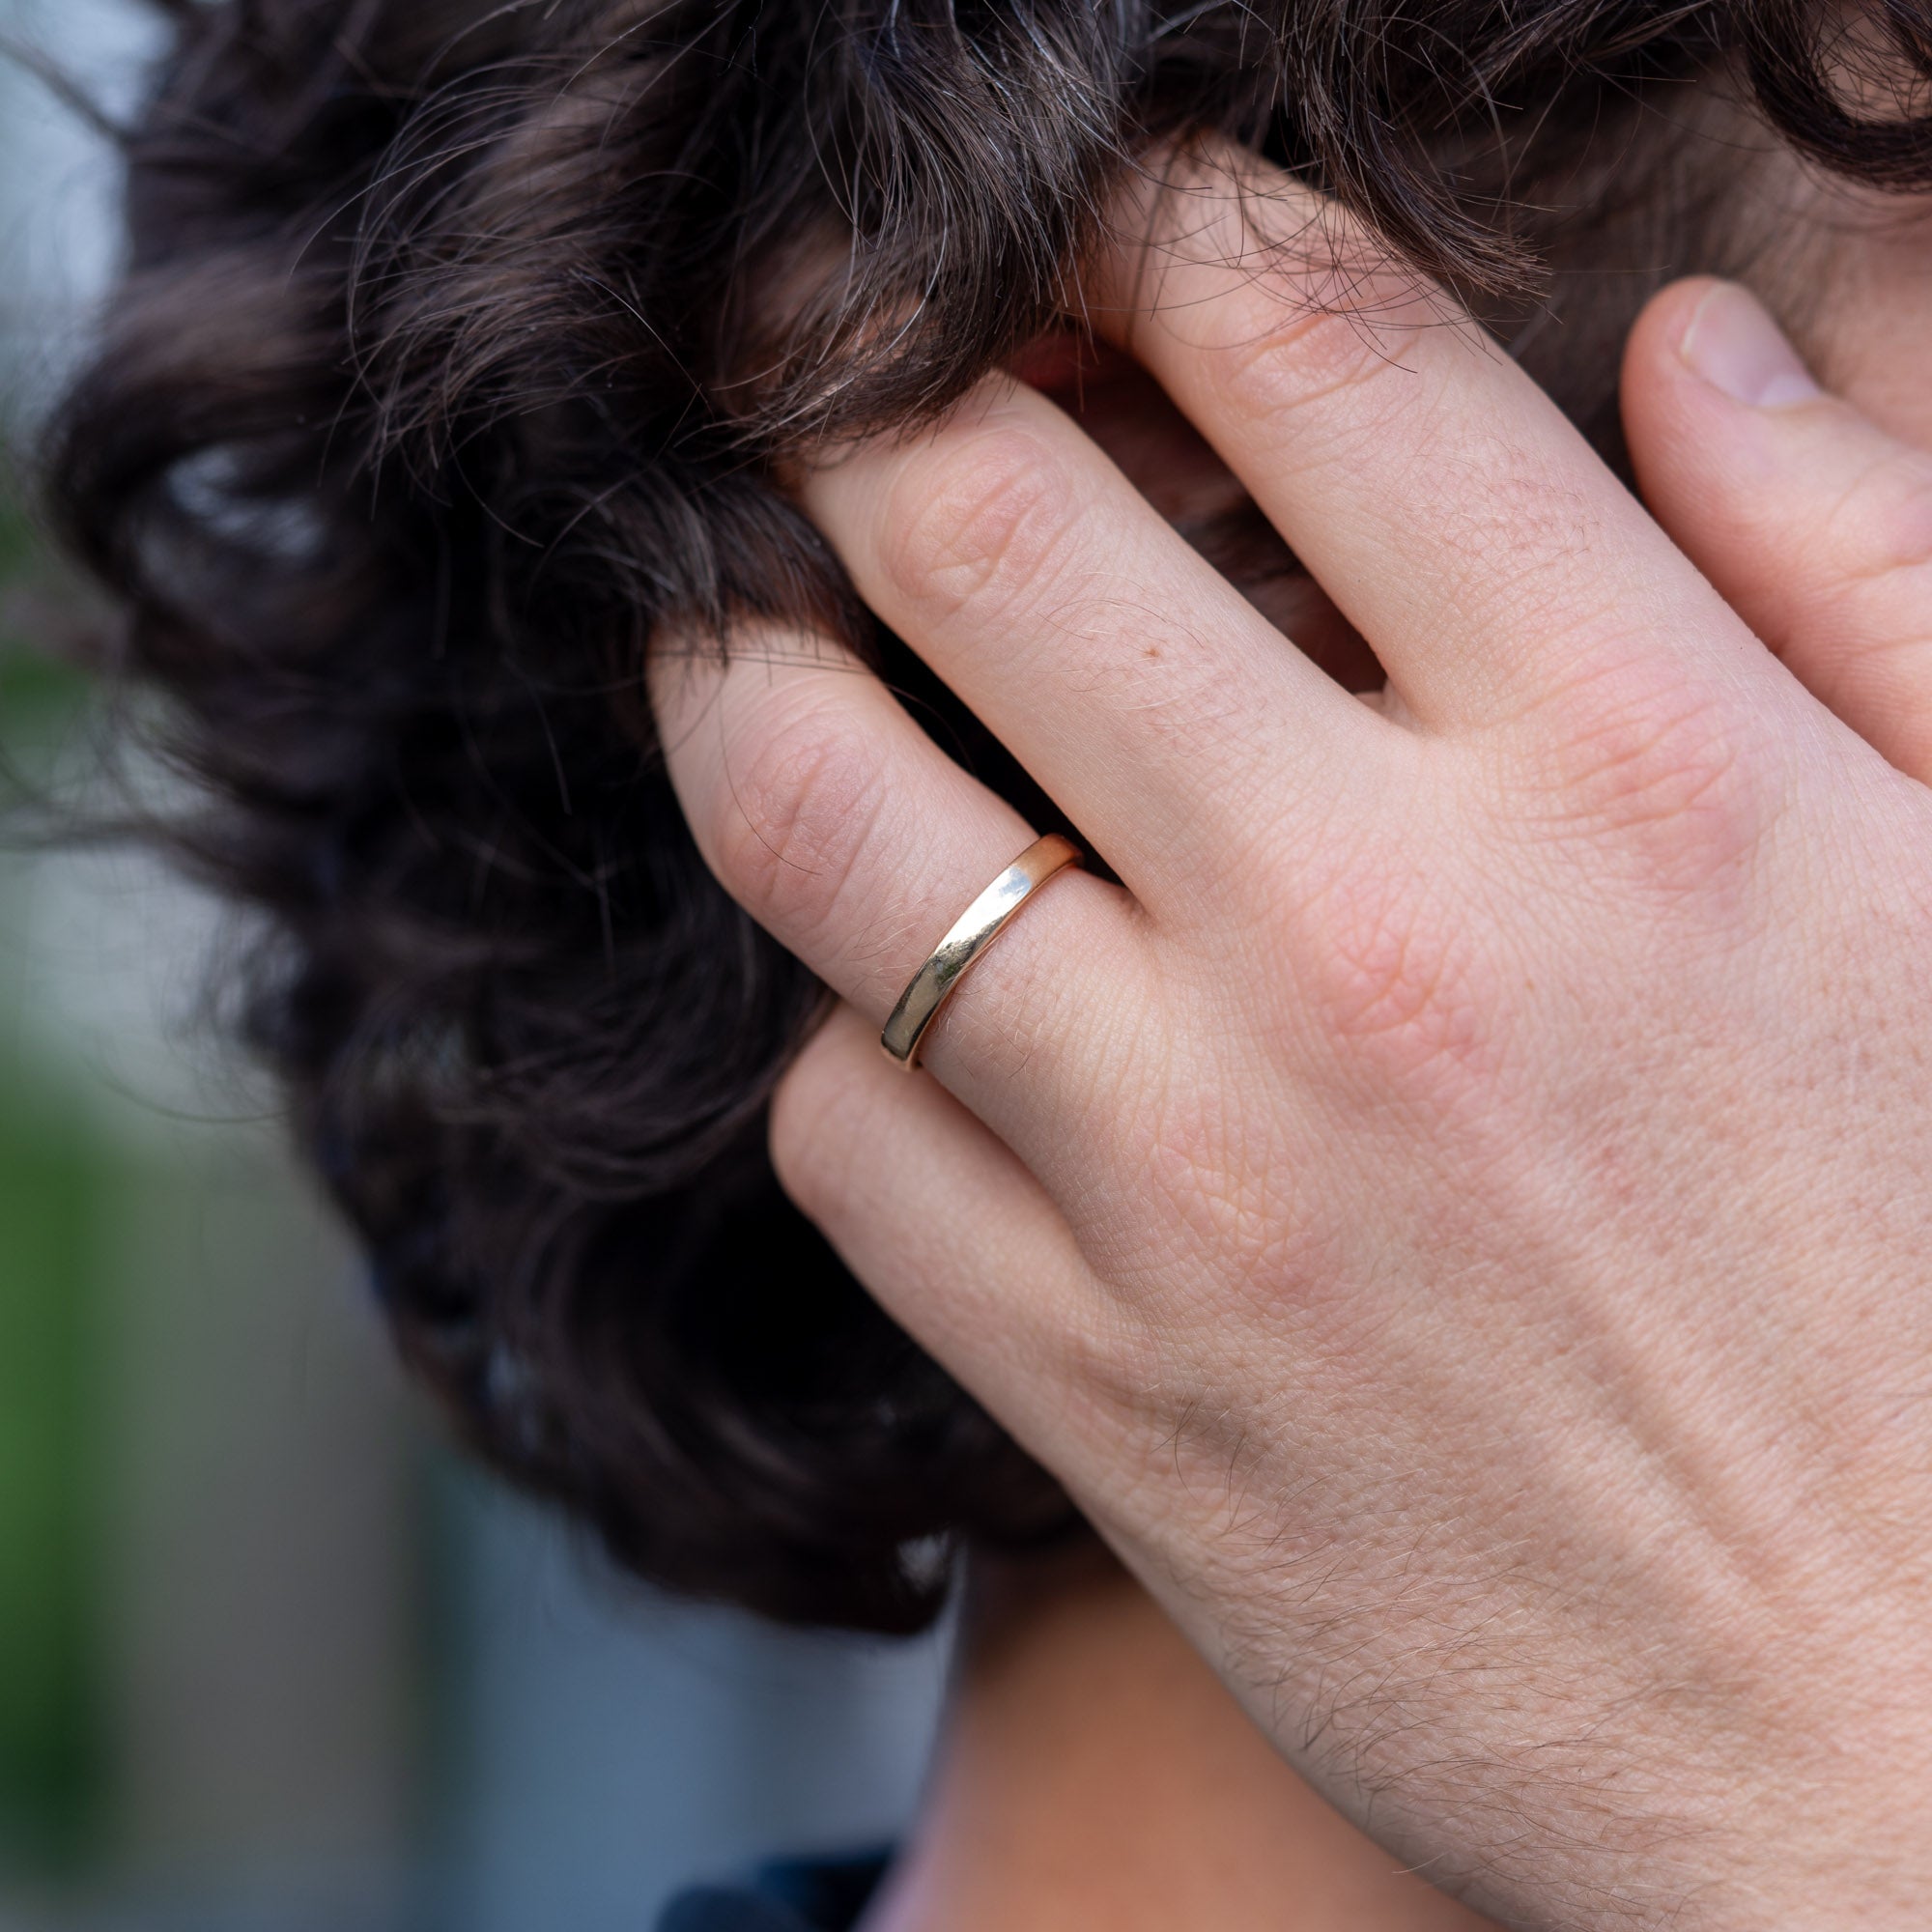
(1446,504)
(1140,689)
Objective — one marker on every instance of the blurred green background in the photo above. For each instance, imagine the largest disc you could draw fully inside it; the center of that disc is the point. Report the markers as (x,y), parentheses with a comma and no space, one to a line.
(268,1657)
(59,1180)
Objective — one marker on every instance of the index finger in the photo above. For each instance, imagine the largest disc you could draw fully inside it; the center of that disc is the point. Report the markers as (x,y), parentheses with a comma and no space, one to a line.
(1445,504)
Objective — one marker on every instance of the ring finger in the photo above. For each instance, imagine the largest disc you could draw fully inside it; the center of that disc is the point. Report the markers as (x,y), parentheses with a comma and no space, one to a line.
(856,842)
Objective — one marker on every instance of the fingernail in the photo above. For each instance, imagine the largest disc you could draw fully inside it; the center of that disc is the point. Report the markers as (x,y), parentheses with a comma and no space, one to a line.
(1735,346)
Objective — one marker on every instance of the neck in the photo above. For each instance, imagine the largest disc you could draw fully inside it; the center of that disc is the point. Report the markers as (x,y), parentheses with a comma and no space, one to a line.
(1095,1773)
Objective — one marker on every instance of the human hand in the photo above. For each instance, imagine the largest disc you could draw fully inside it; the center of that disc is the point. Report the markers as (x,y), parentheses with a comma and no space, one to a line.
(1455,1215)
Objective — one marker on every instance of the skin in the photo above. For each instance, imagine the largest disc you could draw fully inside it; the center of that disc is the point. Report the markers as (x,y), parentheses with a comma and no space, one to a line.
(1093,1773)
(1454,1215)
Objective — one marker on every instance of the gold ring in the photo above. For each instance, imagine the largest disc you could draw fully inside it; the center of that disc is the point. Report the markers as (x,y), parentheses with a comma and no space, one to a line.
(976,928)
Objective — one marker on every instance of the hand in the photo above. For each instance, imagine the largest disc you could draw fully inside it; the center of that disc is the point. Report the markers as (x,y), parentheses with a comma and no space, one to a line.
(1455,1215)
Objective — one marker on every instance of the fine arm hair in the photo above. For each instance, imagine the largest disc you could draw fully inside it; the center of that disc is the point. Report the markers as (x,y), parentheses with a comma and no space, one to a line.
(458,350)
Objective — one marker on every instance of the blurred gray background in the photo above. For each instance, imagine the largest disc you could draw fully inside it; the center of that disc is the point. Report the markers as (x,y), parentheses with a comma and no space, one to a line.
(268,1657)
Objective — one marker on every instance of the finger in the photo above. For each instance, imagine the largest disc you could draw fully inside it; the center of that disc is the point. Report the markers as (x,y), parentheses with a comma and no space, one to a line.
(1137,686)
(851,838)
(939,1219)
(1814,523)
(1449,508)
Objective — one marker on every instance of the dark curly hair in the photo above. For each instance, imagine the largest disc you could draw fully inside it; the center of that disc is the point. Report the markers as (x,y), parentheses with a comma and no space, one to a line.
(457,344)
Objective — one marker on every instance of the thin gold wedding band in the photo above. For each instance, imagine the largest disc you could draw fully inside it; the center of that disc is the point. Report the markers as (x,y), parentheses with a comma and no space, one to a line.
(976,928)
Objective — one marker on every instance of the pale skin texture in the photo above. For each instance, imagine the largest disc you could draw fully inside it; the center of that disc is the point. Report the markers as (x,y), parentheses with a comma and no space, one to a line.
(1455,1216)
(1094,1774)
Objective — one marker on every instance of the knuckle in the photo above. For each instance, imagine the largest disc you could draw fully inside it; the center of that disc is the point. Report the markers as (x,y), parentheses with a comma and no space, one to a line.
(1661,768)
(1393,976)
(1882,523)
(805,788)
(1290,362)
(1230,1185)
(991,523)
